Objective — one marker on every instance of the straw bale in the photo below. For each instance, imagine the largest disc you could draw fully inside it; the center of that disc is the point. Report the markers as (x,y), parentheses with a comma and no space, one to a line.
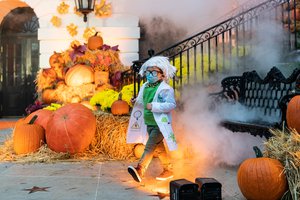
(285,147)
(110,138)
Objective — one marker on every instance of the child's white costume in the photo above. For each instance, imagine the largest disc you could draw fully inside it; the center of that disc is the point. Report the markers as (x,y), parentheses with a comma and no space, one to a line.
(156,100)
(162,104)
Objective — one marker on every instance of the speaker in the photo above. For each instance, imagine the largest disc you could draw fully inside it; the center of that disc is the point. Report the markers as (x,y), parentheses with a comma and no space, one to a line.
(183,189)
(209,188)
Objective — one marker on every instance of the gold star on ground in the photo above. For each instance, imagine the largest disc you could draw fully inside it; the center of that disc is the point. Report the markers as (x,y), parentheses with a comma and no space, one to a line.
(36,189)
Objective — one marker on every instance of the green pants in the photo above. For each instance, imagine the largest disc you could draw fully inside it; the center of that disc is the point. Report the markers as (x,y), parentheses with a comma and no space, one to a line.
(156,145)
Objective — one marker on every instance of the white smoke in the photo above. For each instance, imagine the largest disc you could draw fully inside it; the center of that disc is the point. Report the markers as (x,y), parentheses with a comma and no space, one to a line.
(198,127)
(192,15)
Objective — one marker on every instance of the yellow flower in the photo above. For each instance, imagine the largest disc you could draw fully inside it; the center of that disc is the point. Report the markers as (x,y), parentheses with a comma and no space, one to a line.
(72,29)
(104,98)
(127,93)
(63,8)
(56,21)
(88,32)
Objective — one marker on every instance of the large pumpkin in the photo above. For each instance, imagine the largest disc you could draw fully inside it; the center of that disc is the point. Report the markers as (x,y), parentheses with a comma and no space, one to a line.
(95,42)
(292,113)
(71,128)
(262,178)
(28,137)
(120,107)
(79,75)
(43,117)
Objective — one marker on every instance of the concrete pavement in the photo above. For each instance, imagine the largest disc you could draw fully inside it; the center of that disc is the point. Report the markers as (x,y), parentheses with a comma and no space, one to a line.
(87,180)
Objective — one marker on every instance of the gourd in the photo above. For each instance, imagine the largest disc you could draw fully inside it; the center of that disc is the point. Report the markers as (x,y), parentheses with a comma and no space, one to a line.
(95,42)
(71,128)
(28,137)
(49,96)
(49,73)
(120,107)
(56,62)
(79,74)
(292,113)
(261,178)
(138,150)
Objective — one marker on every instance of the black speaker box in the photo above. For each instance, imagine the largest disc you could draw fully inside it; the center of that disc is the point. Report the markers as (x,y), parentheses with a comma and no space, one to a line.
(183,189)
(209,188)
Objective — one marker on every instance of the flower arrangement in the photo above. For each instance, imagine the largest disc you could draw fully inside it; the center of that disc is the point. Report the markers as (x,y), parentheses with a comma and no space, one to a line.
(104,59)
(106,98)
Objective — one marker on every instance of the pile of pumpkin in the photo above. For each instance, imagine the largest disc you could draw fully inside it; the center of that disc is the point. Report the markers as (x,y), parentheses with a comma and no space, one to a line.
(72,78)
(276,175)
(69,129)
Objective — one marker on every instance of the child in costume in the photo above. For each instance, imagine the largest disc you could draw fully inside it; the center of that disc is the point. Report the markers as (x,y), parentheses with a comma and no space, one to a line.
(152,114)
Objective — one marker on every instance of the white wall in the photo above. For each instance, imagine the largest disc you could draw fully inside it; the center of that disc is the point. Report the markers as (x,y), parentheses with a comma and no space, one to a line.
(122,28)
(118,29)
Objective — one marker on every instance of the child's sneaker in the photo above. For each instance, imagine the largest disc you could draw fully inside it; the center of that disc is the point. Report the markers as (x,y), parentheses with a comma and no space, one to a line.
(165,175)
(136,173)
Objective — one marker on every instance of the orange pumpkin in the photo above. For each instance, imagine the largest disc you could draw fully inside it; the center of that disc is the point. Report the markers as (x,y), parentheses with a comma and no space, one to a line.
(120,107)
(21,121)
(43,117)
(49,96)
(28,137)
(79,74)
(138,150)
(262,178)
(95,42)
(71,128)
(292,113)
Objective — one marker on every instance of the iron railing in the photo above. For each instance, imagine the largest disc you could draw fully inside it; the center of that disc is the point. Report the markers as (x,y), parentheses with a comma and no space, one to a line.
(227,45)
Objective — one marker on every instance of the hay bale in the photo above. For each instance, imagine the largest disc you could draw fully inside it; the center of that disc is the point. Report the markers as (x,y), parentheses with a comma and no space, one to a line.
(285,147)
(110,137)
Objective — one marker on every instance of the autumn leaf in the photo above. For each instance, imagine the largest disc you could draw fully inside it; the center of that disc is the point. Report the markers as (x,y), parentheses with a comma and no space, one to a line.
(63,8)
(88,32)
(56,21)
(72,29)
(103,9)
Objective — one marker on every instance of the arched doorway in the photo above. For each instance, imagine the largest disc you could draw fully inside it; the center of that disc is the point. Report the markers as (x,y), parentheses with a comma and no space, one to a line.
(19,54)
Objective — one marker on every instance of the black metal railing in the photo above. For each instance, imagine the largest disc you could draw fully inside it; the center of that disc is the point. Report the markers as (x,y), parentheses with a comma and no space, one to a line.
(227,45)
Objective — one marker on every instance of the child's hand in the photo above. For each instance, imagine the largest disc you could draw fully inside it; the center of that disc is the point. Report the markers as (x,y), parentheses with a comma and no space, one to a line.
(149,106)
(132,100)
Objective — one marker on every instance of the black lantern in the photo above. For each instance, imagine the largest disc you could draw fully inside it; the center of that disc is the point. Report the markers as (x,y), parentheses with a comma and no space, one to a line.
(85,7)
